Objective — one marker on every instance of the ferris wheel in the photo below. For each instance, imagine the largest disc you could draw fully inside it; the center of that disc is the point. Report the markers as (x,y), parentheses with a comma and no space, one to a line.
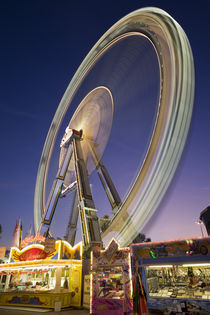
(87,134)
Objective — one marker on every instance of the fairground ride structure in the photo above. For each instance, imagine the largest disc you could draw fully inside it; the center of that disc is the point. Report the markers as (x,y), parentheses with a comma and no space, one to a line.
(88,131)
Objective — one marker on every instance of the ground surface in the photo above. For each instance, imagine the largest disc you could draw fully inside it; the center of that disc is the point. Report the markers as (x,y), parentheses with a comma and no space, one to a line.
(36,311)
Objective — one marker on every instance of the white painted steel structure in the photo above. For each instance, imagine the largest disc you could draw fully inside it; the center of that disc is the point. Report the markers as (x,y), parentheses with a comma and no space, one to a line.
(172,122)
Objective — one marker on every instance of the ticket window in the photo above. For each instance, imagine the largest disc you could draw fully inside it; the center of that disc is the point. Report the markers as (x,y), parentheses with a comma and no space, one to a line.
(179,281)
(110,283)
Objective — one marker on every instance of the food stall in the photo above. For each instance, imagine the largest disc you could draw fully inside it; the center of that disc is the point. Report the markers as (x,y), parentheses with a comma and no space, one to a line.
(110,283)
(44,276)
(175,274)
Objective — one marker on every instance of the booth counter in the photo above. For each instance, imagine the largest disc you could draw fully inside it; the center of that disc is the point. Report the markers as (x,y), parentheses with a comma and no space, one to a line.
(175,274)
(38,277)
(111,283)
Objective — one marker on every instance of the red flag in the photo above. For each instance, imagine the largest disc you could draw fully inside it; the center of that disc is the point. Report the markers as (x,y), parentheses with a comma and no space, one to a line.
(139,301)
(142,299)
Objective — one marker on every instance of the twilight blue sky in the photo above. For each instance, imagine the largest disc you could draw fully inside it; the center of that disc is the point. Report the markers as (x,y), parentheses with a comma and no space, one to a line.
(42,45)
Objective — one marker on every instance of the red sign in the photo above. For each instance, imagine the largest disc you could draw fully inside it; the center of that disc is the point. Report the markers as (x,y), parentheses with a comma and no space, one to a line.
(32,254)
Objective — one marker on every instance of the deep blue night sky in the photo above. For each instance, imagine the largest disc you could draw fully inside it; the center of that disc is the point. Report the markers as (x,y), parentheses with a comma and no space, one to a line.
(42,45)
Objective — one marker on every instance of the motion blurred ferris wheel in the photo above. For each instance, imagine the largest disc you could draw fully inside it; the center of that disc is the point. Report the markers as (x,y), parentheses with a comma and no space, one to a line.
(87,133)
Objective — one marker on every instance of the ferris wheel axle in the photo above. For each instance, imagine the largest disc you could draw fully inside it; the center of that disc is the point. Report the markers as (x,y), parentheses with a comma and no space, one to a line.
(69,135)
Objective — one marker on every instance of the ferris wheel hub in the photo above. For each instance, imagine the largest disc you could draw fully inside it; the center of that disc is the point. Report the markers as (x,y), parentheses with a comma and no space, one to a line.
(69,134)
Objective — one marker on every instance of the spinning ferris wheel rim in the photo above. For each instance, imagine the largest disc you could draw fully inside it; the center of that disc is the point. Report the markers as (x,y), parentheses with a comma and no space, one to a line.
(176,67)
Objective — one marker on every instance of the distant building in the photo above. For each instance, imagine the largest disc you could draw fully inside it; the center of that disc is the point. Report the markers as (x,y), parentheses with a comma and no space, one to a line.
(205,218)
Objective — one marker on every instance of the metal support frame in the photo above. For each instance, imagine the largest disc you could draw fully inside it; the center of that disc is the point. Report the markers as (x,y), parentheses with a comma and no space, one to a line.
(57,187)
(72,225)
(88,213)
(104,176)
(83,203)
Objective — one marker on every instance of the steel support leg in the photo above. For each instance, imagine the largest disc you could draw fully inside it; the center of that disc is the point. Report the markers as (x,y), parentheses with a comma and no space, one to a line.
(105,178)
(88,213)
(72,225)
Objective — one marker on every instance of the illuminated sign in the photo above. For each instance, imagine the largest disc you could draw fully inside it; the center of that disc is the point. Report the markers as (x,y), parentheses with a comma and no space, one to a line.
(33,239)
(60,250)
(34,253)
(111,250)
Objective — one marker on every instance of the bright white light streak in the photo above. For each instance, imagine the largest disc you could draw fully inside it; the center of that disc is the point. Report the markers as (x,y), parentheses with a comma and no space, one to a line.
(196,265)
(160,266)
(130,274)
(39,267)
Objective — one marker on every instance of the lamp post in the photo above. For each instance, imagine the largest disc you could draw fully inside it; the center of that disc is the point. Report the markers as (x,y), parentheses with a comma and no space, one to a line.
(200,223)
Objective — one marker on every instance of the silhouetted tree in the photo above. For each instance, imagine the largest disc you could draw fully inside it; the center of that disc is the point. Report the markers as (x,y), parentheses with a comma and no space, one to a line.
(140,238)
(104,222)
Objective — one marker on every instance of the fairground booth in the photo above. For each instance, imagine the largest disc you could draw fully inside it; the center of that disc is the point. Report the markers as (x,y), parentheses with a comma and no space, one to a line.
(175,274)
(42,275)
(110,283)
